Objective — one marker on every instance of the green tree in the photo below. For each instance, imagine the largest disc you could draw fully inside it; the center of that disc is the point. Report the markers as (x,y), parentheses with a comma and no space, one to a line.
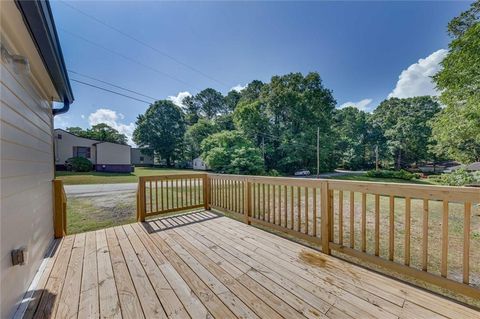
(355,139)
(195,135)
(456,130)
(231,100)
(230,152)
(161,130)
(404,123)
(101,132)
(210,103)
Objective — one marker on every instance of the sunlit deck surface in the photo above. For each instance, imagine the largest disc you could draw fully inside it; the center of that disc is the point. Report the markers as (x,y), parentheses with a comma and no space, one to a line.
(203,265)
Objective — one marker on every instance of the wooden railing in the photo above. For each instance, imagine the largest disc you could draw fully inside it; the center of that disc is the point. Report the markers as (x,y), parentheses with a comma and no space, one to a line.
(166,194)
(59,209)
(400,227)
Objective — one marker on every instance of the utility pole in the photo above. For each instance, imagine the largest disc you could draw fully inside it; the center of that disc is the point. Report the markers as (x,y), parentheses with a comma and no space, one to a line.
(376,157)
(318,151)
(263,147)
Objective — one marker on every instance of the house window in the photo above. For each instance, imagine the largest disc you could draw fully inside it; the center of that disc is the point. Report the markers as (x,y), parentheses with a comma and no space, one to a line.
(81,151)
(59,136)
(141,159)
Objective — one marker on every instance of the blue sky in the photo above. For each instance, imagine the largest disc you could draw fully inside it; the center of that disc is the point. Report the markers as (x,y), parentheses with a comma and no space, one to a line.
(364,51)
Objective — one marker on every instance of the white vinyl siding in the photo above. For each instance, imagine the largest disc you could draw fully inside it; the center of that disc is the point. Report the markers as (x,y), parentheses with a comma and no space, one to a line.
(27,170)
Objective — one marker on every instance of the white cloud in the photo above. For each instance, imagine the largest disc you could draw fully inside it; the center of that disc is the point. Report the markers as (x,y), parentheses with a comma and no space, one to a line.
(363,105)
(416,79)
(178,100)
(238,88)
(112,119)
(61,121)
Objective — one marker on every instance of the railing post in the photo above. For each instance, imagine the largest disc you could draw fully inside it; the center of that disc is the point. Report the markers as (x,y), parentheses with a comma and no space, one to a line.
(141,200)
(247,200)
(206,192)
(59,210)
(325,200)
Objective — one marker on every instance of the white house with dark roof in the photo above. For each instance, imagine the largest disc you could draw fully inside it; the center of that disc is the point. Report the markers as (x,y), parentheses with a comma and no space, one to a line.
(105,156)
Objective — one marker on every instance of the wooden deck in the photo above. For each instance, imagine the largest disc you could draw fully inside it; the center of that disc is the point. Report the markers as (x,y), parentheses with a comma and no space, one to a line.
(202,265)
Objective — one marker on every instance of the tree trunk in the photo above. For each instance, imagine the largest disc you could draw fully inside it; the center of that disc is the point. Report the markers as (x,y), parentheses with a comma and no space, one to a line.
(399,159)
(168,161)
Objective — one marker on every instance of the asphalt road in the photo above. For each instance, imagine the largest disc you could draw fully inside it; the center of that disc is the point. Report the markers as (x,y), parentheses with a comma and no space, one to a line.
(100,189)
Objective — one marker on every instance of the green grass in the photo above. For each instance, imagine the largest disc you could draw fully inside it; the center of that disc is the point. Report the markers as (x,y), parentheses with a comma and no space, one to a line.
(76,178)
(382,180)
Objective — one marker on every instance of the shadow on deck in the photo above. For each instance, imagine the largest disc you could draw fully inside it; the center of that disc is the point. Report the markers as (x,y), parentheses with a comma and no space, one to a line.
(204,265)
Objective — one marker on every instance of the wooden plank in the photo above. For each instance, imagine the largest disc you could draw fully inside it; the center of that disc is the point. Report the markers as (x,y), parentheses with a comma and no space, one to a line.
(208,298)
(444,257)
(364,222)
(164,292)
(299,210)
(340,217)
(69,298)
(89,307)
(466,242)
(407,230)
(425,236)
(377,225)
(325,237)
(352,219)
(292,218)
(371,281)
(295,272)
(107,290)
(127,296)
(188,298)
(235,270)
(285,195)
(391,232)
(274,211)
(306,210)
(156,195)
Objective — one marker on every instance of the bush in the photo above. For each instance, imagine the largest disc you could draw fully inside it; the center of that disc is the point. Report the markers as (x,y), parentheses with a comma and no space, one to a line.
(459,177)
(401,174)
(78,164)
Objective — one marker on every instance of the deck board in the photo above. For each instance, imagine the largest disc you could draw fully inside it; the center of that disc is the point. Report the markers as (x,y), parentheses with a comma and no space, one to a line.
(202,265)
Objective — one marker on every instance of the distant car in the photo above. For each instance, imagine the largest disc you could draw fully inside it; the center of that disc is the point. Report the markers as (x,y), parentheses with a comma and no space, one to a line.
(302,172)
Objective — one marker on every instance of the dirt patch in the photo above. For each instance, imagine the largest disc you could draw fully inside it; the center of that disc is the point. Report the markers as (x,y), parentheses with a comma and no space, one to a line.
(312,258)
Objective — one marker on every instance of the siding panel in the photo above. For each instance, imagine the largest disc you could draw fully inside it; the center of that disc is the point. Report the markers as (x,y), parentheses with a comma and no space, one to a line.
(26,159)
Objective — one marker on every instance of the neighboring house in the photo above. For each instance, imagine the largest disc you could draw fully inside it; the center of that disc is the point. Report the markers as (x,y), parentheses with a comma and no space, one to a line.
(140,159)
(33,76)
(105,156)
(199,164)
(473,167)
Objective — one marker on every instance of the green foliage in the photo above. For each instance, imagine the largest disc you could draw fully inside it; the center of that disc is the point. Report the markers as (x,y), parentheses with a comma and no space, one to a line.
(161,131)
(78,164)
(230,152)
(100,132)
(456,130)
(195,135)
(404,124)
(459,177)
(356,139)
(401,174)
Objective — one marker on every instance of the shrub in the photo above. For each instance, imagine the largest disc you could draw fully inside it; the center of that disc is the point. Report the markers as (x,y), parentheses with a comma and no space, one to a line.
(401,174)
(459,177)
(78,164)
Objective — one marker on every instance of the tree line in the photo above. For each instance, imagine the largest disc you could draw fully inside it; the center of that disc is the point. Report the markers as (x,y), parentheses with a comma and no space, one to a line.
(272,127)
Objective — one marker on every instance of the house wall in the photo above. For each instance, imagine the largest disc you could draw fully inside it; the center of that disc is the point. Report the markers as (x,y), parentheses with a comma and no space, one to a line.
(113,157)
(136,153)
(198,163)
(26,165)
(64,146)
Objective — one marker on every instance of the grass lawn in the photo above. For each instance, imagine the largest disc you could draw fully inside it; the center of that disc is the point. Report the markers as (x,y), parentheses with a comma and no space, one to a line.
(382,180)
(76,178)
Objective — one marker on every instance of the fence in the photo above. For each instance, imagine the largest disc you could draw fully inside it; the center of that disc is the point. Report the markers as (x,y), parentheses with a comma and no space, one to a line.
(401,227)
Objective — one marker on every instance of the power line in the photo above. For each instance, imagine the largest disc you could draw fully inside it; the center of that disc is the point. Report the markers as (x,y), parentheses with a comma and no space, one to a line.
(143,43)
(111,91)
(127,57)
(111,84)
